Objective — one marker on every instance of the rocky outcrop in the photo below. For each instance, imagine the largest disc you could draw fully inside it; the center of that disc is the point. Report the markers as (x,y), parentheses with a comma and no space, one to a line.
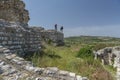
(110,56)
(14,10)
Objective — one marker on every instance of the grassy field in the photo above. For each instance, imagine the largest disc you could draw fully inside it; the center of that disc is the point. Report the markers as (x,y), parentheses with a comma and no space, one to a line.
(64,57)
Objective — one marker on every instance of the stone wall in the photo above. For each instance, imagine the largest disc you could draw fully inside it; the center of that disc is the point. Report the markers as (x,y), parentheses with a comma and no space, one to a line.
(15,33)
(46,35)
(17,38)
(14,10)
(53,35)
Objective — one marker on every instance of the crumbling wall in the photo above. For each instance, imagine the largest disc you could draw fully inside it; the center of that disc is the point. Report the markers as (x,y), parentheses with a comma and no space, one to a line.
(53,35)
(110,56)
(15,33)
(14,10)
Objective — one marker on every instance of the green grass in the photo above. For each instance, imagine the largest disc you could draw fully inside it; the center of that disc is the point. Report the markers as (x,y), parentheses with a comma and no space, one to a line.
(1,77)
(64,57)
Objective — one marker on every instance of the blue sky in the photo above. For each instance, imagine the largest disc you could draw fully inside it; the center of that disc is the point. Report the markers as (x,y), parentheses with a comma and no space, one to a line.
(79,17)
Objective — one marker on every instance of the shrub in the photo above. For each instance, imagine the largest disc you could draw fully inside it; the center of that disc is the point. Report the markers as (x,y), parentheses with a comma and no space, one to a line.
(49,41)
(85,52)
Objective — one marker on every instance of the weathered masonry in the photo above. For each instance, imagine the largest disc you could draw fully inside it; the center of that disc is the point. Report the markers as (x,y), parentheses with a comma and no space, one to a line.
(16,38)
(16,35)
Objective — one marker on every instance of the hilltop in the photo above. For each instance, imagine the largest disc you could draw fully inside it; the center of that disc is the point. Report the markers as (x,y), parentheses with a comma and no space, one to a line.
(93,38)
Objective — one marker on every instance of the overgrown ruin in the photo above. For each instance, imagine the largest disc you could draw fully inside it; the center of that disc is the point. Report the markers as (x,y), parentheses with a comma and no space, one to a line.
(16,36)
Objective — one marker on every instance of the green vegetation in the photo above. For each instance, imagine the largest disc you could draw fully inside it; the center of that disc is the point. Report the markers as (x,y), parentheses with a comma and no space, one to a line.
(85,52)
(77,56)
(1,77)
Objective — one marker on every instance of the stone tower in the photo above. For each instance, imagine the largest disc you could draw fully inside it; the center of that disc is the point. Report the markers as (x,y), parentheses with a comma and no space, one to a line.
(14,10)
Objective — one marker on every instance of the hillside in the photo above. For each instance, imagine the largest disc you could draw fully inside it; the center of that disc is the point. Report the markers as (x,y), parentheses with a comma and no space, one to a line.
(98,42)
(92,39)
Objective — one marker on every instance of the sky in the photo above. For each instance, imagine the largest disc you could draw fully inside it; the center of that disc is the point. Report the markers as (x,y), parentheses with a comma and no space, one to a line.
(78,17)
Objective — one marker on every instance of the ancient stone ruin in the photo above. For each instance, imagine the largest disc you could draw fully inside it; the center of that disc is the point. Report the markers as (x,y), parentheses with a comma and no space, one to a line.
(14,10)
(17,37)
(15,33)
(13,67)
(110,56)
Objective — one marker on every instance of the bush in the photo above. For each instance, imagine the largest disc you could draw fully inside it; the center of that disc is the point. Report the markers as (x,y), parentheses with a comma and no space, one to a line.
(49,41)
(85,52)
